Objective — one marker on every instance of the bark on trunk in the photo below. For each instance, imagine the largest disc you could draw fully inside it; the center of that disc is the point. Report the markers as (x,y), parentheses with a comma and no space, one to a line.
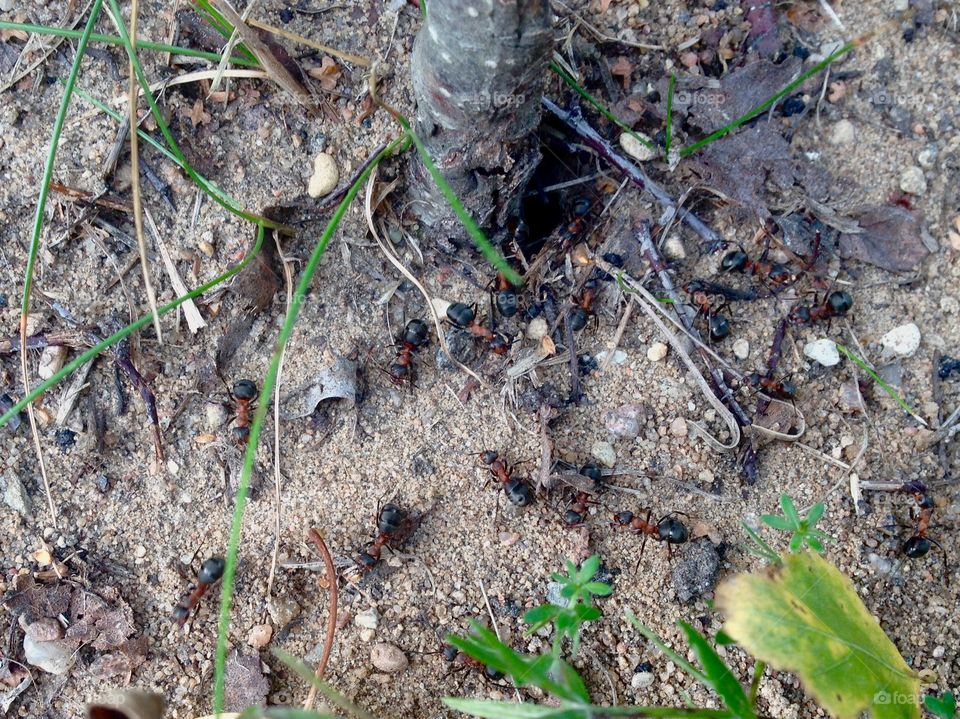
(479,68)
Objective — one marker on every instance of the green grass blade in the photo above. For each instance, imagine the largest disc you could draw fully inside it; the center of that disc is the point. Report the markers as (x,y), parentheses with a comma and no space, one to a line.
(307,674)
(766,551)
(726,129)
(212,190)
(599,107)
(721,679)
(669,128)
(132,327)
(115,40)
(677,659)
(219,23)
(52,155)
(489,709)
(256,426)
(879,380)
(476,234)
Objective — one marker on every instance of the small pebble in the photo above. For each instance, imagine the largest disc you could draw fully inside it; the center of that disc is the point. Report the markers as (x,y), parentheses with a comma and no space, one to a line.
(325,176)
(260,636)
(367,635)
(619,357)
(388,658)
(509,538)
(368,619)
(843,133)
(55,657)
(697,570)
(673,248)
(604,453)
(282,610)
(901,341)
(678,427)
(641,680)
(741,349)
(927,158)
(537,328)
(623,421)
(938,652)
(554,595)
(51,361)
(206,248)
(656,352)
(823,351)
(636,149)
(913,182)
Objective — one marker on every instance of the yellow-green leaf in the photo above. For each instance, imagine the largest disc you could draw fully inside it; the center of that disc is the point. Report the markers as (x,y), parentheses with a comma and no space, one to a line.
(804,615)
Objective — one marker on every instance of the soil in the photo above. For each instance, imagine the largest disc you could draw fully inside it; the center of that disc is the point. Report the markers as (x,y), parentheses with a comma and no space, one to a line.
(420,448)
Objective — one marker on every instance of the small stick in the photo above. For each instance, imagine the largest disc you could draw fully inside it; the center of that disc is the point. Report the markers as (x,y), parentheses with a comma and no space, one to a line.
(575,393)
(594,141)
(349,57)
(617,336)
(318,542)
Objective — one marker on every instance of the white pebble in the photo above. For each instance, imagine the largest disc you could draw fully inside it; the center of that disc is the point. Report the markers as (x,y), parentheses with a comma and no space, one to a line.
(604,453)
(902,341)
(843,133)
(51,361)
(641,680)
(260,636)
(673,248)
(325,176)
(823,351)
(636,149)
(678,427)
(537,328)
(656,352)
(619,357)
(367,619)
(927,158)
(388,658)
(912,181)
(741,349)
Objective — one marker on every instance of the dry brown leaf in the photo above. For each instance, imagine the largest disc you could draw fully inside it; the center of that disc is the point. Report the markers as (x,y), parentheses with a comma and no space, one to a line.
(328,73)
(197,114)
(623,69)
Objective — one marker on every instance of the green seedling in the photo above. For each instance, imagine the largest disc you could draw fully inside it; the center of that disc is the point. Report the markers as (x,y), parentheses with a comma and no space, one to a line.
(803,531)
(943,707)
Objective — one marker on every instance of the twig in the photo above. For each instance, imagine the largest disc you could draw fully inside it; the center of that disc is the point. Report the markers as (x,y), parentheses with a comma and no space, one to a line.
(617,336)
(318,542)
(572,364)
(544,416)
(349,57)
(190,77)
(603,148)
(194,319)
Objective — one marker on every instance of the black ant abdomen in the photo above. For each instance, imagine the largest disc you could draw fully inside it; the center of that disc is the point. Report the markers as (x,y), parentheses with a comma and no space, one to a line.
(211,570)
(245,389)
(578,319)
(916,547)
(672,531)
(518,492)
(719,327)
(460,314)
(840,302)
(390,519)
(416,333)
(572,518)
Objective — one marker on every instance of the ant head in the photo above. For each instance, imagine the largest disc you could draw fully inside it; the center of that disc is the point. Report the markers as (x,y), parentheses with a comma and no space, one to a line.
(788,389)
(623,518)
(779,274)
(518,492)
(752,379)
(211,570)
(719,327)
(572,518)
(800,314)
(245,389)
(460,314)
(614,259)
(578,319)
(734,261)
(416,332)
(449,652)
(490,456)
(672,530)
(591,472)
(916,547)
(506,301)
(390,519)
(840,302)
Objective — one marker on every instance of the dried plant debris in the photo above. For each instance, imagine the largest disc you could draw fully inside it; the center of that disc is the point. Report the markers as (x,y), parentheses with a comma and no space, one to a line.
(337,381)
(103,622)
(892,237)
(245,685)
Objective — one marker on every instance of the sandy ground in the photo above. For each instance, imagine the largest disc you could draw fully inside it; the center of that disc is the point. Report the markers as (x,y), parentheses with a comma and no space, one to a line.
(420,447)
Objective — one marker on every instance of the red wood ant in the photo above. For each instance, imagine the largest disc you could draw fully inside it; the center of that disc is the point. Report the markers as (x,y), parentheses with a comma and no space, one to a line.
(778,389)
(517,491)
(451,654)
(464,317)
(244,395)
(583,306)
(576,513)
(919,545)
(738,261)
(837,303)
(505,296)
(392,525)
(210,572)
(415,335)
(667,529)
(708,306)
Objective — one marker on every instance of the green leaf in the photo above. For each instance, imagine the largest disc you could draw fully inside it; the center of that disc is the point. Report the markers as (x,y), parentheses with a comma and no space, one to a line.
(598,589)
(815,544)
(513,710)
(722,639)
(789,509)
(803,615)
(796,541)
(816,511)
(719,676)
(542,615)
(588,569)
(777,522)
(585,613)
(944,707)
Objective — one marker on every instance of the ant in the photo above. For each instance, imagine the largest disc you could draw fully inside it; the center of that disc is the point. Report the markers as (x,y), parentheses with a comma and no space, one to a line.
(464,317)
(505,296)
(392,523)
(738,261)
(210,571)
(583,306)
(452,654)
(837,303)
(244,395)
(919,545)
(778,389)
(415,335)
(667,529)
(517,491)
(706,304)
(576,514)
